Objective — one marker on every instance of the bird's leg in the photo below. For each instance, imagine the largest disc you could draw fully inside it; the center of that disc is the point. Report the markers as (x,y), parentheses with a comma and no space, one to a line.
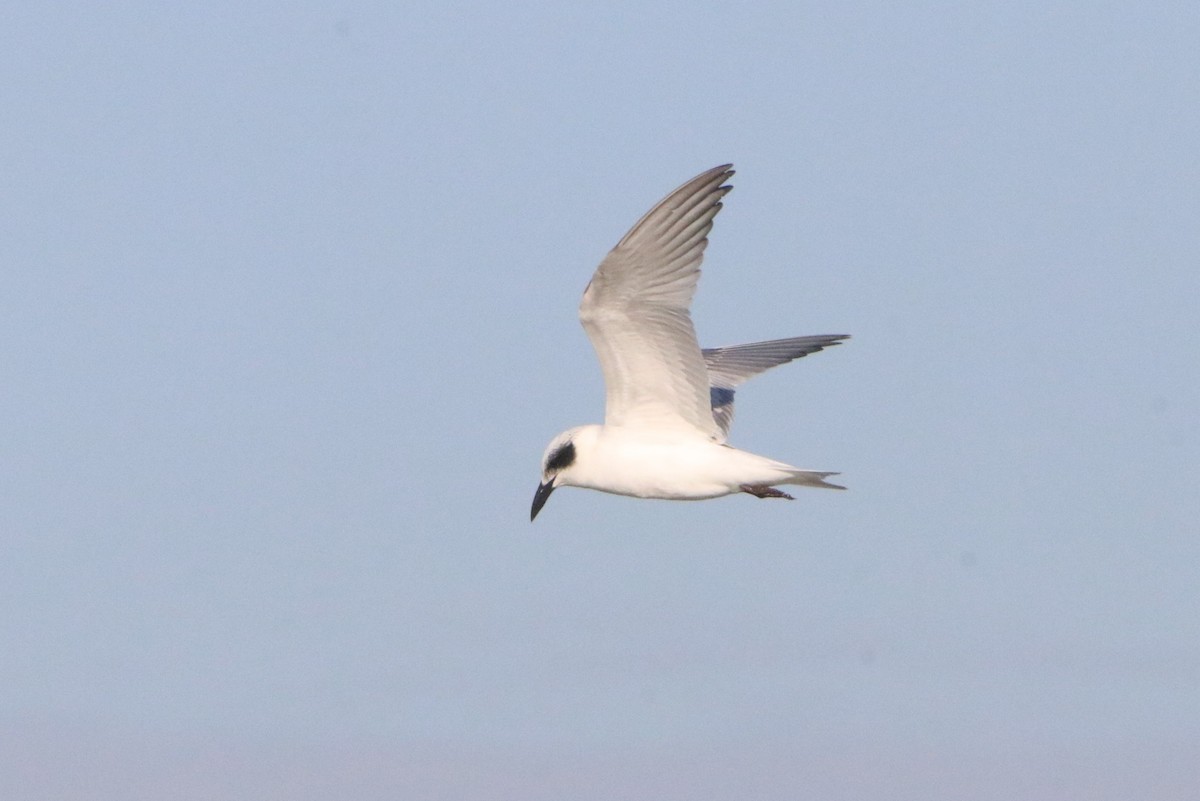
(763,491)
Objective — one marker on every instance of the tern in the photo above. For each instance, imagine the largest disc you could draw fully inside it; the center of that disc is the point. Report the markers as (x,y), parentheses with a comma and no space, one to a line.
(668,404)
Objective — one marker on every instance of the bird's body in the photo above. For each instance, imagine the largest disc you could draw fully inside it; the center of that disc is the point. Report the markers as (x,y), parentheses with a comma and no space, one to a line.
(673,465)
(668,403)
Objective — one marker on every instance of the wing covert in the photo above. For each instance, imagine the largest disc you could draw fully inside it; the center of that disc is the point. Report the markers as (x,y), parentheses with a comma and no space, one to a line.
(635,311)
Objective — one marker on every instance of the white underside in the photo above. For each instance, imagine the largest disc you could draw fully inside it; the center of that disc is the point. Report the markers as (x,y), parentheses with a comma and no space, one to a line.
(673,464)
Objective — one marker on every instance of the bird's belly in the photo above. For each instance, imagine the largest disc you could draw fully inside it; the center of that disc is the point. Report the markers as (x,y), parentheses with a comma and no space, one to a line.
(672,471)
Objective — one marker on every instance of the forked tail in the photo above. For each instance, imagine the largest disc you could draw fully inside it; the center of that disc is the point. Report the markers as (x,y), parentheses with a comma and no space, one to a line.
(811,478)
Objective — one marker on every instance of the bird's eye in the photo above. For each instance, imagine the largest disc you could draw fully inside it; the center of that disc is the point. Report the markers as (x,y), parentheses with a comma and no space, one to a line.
(561,458)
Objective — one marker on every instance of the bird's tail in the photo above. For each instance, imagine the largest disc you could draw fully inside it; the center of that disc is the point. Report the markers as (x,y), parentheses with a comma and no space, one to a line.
(810,478)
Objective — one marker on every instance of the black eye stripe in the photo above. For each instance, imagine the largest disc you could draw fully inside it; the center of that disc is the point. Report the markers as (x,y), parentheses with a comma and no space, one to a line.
(561,458)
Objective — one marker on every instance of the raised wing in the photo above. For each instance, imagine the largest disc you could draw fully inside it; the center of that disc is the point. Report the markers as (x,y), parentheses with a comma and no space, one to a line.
(730,367)
(635,311)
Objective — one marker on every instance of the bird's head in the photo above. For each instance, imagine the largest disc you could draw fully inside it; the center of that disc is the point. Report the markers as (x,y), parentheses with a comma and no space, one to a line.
(560,463)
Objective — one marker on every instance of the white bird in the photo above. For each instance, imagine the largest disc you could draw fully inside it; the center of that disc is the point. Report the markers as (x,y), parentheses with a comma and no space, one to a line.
(668,403)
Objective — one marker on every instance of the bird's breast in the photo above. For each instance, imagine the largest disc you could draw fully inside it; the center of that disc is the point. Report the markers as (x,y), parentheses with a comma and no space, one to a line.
(669,467)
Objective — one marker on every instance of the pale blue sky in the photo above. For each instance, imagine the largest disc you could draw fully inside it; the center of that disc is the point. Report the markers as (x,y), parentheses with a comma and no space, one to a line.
(287,317)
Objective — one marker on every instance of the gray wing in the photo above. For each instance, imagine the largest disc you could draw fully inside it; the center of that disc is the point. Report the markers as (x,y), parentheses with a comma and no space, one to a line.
(635,311)
(730,367)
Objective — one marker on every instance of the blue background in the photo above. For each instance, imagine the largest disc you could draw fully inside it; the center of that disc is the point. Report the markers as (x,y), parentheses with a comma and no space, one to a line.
(288,315)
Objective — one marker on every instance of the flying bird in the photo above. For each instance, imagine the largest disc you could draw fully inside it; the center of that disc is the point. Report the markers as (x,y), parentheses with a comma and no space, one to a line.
(668,404)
